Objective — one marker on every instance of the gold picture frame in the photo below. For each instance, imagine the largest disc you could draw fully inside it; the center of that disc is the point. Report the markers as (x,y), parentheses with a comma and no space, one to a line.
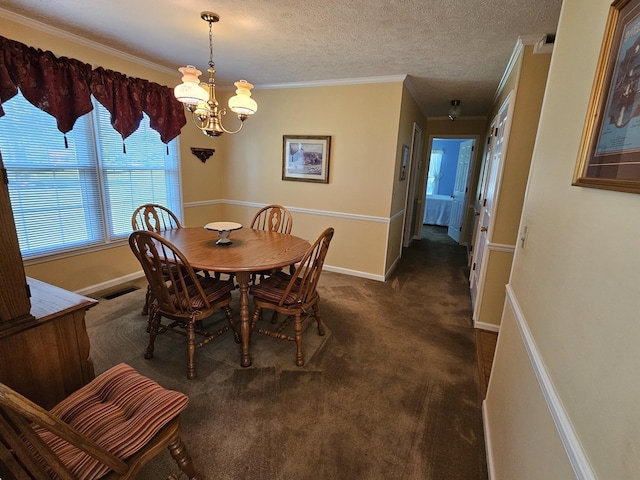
(305,158)
(609,155)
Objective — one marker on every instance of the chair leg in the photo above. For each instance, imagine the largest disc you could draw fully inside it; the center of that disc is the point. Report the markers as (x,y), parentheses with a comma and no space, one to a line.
(147,302)
(191,350)
(154,325)
(179,453)
(229,314)
(316,314)
(298,329)
(256,316)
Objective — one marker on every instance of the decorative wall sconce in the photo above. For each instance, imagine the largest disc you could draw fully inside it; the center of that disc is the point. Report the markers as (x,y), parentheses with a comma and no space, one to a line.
(202,153)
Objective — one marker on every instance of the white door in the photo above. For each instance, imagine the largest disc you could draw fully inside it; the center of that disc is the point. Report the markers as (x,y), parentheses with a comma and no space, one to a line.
(488,198)
(413,168)
(459,196)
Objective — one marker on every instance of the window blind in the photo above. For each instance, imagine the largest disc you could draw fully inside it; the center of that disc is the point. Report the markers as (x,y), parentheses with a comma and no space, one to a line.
(84,195)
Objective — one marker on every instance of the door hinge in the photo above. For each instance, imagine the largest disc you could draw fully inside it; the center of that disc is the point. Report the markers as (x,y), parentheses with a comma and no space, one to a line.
(474,266)
(495,133)
(5,177)
(471,248)
(460,229)
(26,286)
(473,147)
(484,202)
(466,189)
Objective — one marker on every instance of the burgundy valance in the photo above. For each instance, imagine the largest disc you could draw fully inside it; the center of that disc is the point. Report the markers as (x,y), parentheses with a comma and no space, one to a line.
(62,87)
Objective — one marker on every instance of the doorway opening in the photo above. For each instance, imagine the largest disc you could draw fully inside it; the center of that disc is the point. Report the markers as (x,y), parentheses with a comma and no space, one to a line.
(447,189)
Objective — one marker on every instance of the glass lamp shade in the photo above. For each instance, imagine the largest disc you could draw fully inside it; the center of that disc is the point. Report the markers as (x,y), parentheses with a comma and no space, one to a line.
(190,91)
(202,110)
(242,103)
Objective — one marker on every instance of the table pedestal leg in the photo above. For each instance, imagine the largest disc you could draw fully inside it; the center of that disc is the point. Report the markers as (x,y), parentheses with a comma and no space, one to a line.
(243,281)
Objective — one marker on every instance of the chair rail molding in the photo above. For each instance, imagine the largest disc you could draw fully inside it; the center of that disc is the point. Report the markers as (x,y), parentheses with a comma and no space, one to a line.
(309,211)
(578,458)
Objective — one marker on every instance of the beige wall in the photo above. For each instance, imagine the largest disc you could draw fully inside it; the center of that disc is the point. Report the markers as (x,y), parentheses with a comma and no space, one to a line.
(410,114)
(364,159)
(365,122)
(576,285)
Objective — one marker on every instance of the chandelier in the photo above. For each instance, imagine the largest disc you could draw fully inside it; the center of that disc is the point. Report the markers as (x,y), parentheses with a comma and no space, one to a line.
(200,98)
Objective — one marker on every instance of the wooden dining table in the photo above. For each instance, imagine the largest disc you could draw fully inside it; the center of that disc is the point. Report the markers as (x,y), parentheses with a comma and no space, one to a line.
(249,251)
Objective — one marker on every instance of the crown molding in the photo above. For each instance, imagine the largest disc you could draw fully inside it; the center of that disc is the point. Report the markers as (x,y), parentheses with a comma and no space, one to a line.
(520,44)
(43,27)
(333,82)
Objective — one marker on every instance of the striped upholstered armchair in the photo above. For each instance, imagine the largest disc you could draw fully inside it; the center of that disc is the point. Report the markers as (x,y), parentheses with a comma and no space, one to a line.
(106,430)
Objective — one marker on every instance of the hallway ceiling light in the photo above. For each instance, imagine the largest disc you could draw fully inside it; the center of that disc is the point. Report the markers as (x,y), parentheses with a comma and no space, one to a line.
(454,111)
(200,98)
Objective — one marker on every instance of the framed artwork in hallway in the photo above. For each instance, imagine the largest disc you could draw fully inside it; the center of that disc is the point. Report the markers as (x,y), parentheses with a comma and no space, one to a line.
(609,155)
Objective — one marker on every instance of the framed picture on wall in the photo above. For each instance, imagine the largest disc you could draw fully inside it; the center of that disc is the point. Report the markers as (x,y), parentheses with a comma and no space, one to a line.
(609,155)
(405,161)
(305,158)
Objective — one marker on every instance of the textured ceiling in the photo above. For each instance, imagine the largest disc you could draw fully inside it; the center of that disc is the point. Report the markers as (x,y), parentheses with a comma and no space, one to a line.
(448,48)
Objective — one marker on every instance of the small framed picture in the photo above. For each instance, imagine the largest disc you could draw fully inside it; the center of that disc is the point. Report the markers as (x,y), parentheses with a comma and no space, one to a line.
(305,158)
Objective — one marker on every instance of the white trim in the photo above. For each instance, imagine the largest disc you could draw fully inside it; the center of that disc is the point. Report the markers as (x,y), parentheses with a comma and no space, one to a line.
(392,267)
(139,274)
(353,273)
(396,215)
(486,326)
(488,450)
(520,43)
(501,247)
(333,82)
(507,72)
(542,46)
(202,203)
(308,211)
(114,282)
(570,440)
(43,27)
(532,39)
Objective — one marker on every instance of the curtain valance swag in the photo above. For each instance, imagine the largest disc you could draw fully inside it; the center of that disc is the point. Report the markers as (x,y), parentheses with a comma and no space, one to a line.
(63,87)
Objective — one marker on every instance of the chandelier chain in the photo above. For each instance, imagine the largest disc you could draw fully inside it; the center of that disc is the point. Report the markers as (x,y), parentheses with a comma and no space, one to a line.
(211,64)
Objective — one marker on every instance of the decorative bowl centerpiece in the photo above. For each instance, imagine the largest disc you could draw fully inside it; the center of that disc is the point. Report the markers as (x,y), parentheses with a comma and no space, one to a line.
(224,229)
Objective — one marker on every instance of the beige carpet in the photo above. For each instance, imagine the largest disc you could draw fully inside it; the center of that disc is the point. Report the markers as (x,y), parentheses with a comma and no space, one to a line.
(391,391)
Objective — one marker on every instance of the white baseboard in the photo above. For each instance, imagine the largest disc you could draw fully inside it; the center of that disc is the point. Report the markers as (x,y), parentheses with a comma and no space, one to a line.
(487,441)
(110,283)
(353,273)
(136,275)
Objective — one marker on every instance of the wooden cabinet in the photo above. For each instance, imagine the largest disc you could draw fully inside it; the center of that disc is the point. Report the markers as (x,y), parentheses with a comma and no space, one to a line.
(14,297)
(48,358)
(44,347)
